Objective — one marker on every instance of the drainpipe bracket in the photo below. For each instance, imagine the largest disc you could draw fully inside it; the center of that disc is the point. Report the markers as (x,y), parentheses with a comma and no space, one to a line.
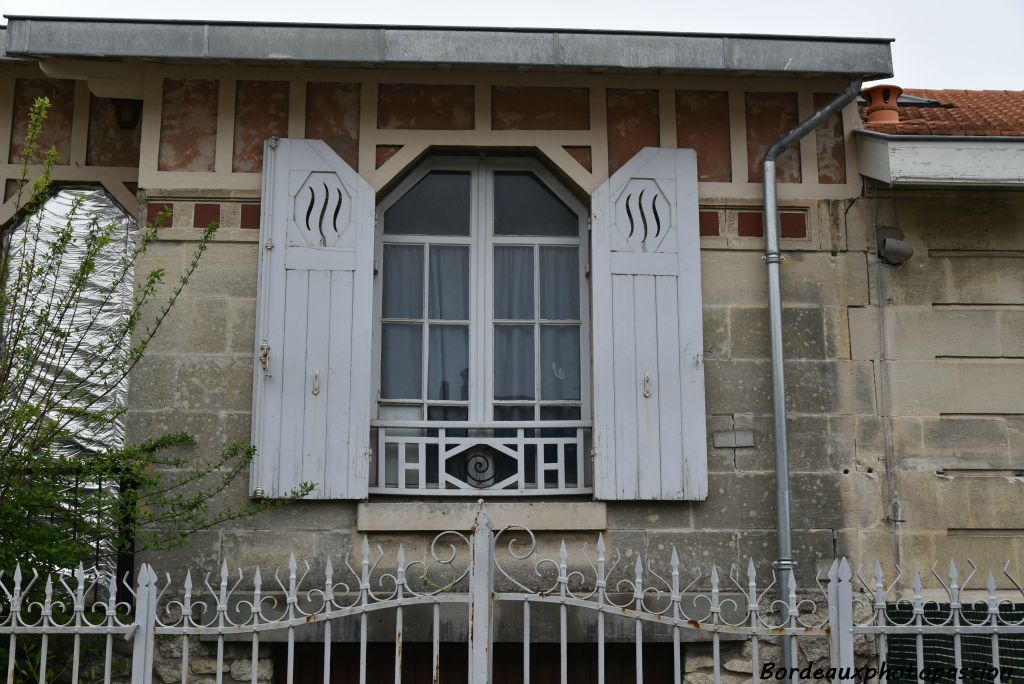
(784,564)
(773,258)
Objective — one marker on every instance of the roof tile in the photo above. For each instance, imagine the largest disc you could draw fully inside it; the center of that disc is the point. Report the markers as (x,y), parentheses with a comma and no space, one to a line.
(963,112)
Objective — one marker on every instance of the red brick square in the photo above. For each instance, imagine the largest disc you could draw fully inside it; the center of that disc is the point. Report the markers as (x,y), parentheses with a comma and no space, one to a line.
(205,214)
(708,221)
(793,224)
(251,216)
(155,208)
(750,223)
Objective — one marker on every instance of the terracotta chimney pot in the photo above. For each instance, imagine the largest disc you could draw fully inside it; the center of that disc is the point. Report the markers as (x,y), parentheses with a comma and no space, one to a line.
(881,101)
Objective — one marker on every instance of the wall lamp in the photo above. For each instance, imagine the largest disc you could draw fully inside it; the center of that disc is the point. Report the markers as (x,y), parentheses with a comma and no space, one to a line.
(894,251)
(127,113)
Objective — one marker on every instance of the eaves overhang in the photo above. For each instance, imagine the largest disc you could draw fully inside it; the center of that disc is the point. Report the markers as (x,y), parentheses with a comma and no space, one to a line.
(5,58)
(192,41)
(938,160)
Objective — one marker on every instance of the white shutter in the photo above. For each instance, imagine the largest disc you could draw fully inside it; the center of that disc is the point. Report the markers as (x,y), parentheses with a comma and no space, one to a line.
(649,424)
(311,390)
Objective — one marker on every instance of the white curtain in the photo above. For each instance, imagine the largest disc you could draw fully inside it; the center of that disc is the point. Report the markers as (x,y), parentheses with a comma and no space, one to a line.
(559,362)
(513,283)
(560,283)
(448,363)
(513,362)
(448,291)
(403,281)
(401,359)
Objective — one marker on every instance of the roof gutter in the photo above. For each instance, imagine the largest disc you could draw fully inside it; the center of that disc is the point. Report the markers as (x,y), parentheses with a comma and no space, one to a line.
(912,137)
(773,258)
(400,46)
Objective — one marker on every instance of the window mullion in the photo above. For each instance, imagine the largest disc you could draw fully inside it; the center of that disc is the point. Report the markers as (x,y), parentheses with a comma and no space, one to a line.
(424,370)
(483,363)
(536,332)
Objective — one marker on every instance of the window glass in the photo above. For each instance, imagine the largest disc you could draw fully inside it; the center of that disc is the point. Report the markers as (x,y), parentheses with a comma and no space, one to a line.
(513,283)
(559,362)
(401,357)
(513,362)
(449,283)
(448,366)
(560,283)
(523,205)
(504,281)
(401,412)
(513,412)
(403,281)
(560,413)
(439,204)
(447,413)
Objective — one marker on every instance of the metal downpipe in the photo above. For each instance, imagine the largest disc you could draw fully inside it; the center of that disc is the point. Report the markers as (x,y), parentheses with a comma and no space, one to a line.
(773,258)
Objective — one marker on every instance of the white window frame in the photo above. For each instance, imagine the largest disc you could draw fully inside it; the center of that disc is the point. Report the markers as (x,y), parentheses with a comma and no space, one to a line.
(481,242)
(561,447)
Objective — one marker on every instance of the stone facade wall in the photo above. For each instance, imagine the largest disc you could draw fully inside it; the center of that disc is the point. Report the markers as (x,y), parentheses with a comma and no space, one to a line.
(938,429)
(953,330)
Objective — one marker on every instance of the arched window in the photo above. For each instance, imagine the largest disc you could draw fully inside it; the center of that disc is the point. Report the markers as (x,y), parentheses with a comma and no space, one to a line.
(482,331)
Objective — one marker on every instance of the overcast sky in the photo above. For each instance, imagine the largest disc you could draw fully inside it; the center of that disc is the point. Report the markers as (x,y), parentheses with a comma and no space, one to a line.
(977,44)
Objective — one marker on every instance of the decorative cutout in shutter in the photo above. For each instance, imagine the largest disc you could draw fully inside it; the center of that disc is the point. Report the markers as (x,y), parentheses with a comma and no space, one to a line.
(311,386)
(649,422)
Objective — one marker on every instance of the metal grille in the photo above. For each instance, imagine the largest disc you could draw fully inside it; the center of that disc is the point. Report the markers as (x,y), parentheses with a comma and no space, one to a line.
(961,635)
(976,649)
(460,459)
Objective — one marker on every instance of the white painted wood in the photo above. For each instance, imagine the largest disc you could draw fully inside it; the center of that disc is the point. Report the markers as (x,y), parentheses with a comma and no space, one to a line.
(649,417)
(907,160)
(311,401)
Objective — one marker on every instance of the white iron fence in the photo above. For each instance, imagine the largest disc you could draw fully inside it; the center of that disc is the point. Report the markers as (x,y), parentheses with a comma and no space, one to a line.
(717,626)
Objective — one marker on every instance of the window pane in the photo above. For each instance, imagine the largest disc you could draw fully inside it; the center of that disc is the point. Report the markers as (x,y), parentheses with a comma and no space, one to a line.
(513,412)
(513,282)
(447,413)
(513,362)
(449,283)
(523,205)
(448,369)
(559,283)
(437,205)
(401,358)
(400,412)
(559,362)
(403,281)
(559,413)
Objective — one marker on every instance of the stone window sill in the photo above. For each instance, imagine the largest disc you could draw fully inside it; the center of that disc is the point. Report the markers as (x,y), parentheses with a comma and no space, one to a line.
(437,516)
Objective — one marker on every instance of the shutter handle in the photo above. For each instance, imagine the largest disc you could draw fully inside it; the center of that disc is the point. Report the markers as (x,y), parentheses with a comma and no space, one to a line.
(316,383)
(647,385)
(265,358)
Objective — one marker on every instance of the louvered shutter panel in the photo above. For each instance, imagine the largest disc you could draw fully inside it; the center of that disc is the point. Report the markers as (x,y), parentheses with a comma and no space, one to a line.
(311,391)
(649,424)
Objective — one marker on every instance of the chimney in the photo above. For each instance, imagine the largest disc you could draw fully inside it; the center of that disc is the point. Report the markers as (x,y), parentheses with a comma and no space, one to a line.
(881,101)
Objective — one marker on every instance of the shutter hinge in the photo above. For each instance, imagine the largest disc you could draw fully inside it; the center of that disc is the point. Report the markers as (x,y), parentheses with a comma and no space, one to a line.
(269,246)
(376,267)
(273,143)
(265,358)
(590,223)
(367,453)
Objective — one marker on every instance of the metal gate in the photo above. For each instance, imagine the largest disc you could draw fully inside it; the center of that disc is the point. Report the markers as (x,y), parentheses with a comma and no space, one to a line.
(721,625)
